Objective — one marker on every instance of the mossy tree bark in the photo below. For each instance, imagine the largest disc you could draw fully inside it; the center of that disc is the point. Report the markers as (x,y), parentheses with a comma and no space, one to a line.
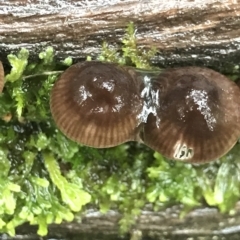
(192,32)
(203,223)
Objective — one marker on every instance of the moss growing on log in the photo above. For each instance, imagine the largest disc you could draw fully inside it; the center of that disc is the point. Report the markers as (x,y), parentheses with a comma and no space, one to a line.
(46,178)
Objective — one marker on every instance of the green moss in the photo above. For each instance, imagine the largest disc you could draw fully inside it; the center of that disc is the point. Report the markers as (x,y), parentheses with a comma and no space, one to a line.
(129,54)
(46,178)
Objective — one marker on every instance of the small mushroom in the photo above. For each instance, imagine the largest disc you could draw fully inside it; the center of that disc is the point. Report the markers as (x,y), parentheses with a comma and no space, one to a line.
(97,104)
(1,77)
(197,115)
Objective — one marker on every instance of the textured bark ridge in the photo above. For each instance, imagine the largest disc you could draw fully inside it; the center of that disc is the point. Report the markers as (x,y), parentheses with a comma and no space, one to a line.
(199,224)
(191,32)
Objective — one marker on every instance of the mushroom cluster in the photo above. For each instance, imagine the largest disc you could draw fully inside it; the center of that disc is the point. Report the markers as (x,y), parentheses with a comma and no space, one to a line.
(190,114)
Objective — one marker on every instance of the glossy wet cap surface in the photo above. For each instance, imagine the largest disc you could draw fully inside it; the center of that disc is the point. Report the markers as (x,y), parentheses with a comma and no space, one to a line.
(198,115)
(97,104)
(1,77)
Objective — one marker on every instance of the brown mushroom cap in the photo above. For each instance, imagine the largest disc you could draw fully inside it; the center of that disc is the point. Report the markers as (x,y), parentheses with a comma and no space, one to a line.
(198,115)
(97,104)
(1,77)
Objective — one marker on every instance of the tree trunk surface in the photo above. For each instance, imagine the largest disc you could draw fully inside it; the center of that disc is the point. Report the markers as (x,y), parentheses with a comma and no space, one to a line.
(202,223)
(185,32)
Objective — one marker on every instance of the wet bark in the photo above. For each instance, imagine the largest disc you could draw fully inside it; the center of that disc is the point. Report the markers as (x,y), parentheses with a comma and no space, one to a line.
(203,223)
(191,32)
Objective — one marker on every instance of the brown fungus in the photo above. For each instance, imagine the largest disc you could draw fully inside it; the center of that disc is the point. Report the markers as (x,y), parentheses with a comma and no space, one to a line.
(197,115)
(1,77)
(97,104)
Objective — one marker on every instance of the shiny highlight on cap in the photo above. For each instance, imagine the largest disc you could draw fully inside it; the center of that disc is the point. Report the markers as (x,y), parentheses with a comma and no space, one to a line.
(1,77)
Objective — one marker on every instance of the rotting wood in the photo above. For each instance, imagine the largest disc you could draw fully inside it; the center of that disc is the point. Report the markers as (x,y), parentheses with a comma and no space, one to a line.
(195,32)
(187,32)
(201,223)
